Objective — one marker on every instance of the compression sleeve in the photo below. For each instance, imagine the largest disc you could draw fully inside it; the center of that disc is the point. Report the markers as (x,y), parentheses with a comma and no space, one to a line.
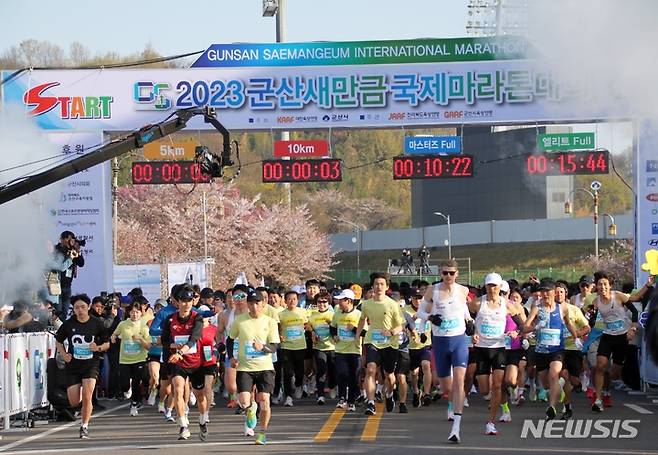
(633,310)
(517,320)
(229,347)
(196,332)
(165,334)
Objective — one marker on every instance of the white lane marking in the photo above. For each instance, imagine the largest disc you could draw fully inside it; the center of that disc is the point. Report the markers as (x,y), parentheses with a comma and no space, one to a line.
(172,444)
(20,442)
(638,408)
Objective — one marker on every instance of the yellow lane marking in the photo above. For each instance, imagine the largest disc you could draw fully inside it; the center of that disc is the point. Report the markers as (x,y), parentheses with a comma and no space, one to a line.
(372,425)
(330,426)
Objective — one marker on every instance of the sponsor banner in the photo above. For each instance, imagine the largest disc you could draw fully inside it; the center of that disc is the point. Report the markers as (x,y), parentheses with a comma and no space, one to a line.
(646,203)
(166,149)
(187,272)
(84,207)
(16,346)
(301,149)
(427,145)
(36,377)
(4,363)
(301,97)
(362,52)
(144,276)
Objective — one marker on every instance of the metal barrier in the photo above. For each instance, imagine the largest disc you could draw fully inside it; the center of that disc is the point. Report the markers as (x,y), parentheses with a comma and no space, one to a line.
(23,378)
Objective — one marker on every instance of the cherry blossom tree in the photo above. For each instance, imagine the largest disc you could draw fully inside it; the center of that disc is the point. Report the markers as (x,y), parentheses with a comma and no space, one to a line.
(165,224)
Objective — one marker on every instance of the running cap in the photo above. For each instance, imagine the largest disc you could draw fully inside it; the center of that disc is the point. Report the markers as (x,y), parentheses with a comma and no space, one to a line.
(493,278)
(547,284)
(254,296)
(345,294)
(415,292)
(586,280)
(504,287)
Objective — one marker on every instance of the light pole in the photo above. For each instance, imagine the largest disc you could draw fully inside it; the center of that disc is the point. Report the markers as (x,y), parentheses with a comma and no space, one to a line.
(447,218)
(358,230)
(276,8)
(594,194)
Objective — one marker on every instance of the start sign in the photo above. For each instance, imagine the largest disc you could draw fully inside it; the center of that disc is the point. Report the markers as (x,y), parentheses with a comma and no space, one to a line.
(300,149)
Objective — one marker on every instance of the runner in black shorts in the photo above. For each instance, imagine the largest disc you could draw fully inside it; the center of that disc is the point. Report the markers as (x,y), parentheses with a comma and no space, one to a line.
(85,335)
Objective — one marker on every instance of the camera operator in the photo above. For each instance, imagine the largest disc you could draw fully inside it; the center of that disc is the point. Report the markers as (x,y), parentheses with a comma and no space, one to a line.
(67,259)
(406,262)
(424,256)
(106,310)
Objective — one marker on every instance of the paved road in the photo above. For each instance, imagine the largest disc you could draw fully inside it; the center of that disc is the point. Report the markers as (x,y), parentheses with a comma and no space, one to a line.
(323,430)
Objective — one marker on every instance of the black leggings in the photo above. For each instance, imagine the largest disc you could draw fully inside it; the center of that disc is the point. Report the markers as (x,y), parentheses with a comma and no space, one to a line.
(134,372)
(293,365)
(325,370)
(347,374)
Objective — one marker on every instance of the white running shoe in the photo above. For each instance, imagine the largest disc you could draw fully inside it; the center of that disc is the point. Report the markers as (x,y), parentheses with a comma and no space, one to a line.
(487,397)
(506,417)
(288,403)
(275,400)
(248,431)
(152,397)
(192,399)
(342,404)
(466,405)
(133,411)
(454,437)
(490,429)
(321,400)
(187,410)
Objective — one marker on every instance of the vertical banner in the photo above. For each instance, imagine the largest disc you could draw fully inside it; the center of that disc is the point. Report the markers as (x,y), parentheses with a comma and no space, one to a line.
(187,272)
(38,356)
(85,208)
(17,346)
(144,276)
(3,378)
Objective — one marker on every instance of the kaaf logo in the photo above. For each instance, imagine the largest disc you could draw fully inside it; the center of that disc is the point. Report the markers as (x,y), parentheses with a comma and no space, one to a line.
(70,107)
(149,96)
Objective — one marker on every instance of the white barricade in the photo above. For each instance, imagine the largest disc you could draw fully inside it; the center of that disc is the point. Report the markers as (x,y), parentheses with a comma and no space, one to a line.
(37,379)
(16,346)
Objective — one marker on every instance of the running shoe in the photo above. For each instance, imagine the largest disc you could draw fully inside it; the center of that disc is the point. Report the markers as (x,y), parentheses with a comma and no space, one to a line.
(342,404)
(550,413)
(590,392)
(184,433)
(248,431)
(505,417)
(84,432)
(607,401)
(288,403)
(543,395)
(487,397)
(152,396)
(390,404)
(261,439)
(466,404)
(351,408)
(427,400)
(203,431)
(490,429)
(567,414)
(454,438)
(378,396)
(403,408)
(597,406)
(168,417)
(416,401)
(360,399)
(250,416)
(370,409)
(321,401)
(133,411)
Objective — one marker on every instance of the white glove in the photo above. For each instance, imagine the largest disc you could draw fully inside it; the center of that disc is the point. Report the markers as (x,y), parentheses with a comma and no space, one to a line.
(525,344)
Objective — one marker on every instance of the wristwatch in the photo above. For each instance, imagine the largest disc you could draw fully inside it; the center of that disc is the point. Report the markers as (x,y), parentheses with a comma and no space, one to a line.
(179,352)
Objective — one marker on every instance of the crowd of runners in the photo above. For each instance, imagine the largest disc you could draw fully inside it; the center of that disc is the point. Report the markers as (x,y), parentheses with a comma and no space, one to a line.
(406,345)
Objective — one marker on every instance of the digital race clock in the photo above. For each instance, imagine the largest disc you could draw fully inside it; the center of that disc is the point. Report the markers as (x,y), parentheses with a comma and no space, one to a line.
(300,171)
(165,172)
(432,166)
(588,162)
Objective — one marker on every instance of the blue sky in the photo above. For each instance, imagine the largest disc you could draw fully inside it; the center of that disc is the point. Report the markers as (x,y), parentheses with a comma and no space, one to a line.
(172,27)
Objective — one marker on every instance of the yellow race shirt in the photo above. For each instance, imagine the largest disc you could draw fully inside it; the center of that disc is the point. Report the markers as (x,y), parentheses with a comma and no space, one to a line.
(346,336)
(579,321)
(382,315)
(292,328)
(420,327)
(132,351)
(262,329)
(320,323)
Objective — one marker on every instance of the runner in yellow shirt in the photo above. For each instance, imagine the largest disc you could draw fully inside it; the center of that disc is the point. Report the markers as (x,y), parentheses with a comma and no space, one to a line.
(293,322)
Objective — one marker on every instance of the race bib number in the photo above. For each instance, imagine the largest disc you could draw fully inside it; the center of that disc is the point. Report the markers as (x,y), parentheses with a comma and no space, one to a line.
(491,330)
(469,341)
(294,333)
(614,326)
(251,352)
(422,328)
(508,342)
(236,348)
(182,339)
(378,337)
(345,334)
(449,324)
(82,351)
(131,347)
(207,352)
(550,337)
(322,331)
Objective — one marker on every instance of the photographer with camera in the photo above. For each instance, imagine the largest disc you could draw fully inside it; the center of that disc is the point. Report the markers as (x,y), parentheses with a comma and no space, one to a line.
(406,262)
(67,259)
(424,256)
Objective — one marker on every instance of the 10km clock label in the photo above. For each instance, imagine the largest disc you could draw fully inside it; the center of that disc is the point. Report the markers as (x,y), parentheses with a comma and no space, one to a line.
(302,171)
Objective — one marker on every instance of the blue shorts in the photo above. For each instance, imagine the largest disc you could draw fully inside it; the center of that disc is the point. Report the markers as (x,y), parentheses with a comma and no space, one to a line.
(449,352)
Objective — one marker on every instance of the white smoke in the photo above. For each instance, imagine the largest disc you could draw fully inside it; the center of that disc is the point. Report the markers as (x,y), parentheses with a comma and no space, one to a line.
(26,223)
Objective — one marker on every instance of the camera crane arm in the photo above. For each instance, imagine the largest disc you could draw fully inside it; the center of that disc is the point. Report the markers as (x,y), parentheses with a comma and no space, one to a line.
(138,139)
